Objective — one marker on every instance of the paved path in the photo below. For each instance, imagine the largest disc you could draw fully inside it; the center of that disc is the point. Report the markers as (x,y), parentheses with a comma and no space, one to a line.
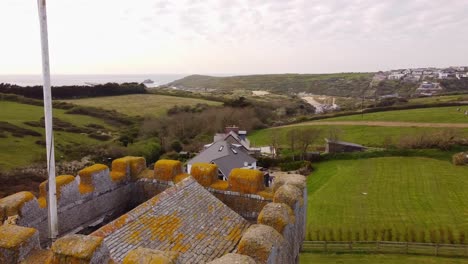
(381,123)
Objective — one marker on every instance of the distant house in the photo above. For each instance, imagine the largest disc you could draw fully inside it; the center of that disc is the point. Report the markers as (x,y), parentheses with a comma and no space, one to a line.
(226,156)
(396,76)
(335,146)
(443,75)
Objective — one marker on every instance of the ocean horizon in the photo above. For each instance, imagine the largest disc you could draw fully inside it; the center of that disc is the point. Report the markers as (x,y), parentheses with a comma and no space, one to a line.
(83,79)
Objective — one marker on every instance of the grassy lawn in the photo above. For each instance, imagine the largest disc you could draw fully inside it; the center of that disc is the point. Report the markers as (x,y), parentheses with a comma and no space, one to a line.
(375,259)
(396,193)
(140,104)
(16,151)
(366,135)
(423,115)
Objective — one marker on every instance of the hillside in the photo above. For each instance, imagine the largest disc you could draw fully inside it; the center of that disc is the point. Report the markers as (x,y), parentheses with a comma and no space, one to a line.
(339,84)
(140,104)
(23,141)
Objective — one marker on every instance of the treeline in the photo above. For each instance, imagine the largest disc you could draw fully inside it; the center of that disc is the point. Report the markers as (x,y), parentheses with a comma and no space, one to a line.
(75,91)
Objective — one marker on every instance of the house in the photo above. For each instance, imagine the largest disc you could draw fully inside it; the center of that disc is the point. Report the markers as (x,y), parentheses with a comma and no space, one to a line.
(396,76)
(226,156)
(335,146)
(443,75)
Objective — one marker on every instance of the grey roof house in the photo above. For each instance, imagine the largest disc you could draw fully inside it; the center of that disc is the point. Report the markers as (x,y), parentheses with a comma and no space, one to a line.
(226,156)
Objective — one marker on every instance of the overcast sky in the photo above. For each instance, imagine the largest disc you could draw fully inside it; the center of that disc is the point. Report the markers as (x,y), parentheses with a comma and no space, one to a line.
(234,36)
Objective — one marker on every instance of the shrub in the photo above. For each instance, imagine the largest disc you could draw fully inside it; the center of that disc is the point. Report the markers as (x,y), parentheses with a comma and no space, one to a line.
(459,159)
(294,165)
(461,237)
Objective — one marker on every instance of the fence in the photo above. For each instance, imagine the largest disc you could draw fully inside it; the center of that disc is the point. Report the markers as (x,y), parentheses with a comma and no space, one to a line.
(387,247)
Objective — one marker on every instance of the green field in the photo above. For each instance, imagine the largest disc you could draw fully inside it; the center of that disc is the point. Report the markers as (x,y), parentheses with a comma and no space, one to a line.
(372,136)
(140,104)
(16,151)
(307,258)
(422,115)
(395,193)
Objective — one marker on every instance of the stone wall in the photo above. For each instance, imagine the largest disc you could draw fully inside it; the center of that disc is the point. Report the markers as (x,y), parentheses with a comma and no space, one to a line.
(97,193)
(90,197)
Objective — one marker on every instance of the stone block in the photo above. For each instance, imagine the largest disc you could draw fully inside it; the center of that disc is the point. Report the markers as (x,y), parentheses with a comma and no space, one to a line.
(166,170)
(16,242)
(94,179)
(127,168)
(262,243)
(292,179)
(276,215)
(246,181)
(13,204)
(80,249)
(233,258)
(205,173)
(288,194)
(67,190)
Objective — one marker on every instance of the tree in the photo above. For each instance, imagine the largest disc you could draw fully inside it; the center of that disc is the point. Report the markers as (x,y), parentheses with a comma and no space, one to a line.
(306,137)
(292,136)
(334,134)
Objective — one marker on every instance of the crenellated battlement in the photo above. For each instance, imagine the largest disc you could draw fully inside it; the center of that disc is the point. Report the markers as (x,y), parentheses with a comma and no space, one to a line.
(98,194)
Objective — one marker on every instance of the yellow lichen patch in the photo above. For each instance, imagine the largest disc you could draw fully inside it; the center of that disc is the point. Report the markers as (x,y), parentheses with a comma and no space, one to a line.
(246,181)
(163,227)
(150,256)
(75,248)
(13,236)
(276,215)
(267,194)
(117,176)
(166,170)
(11,205)
(289,195)
(235,233)
(220,185)
(146,174)
(205,173)
(200,236)
(60,181)
(180,177)
(136,165)
(111,227)
(86,180)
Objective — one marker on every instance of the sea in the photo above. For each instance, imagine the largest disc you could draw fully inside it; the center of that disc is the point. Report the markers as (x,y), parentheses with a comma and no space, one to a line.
(76,79)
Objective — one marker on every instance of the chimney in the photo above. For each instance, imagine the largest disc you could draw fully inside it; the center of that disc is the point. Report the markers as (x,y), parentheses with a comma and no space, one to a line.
(232,128)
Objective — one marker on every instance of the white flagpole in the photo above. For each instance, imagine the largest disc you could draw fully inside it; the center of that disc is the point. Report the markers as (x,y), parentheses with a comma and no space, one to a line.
(52,196)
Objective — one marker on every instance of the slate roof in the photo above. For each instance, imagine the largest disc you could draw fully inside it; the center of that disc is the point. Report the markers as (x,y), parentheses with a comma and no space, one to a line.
(225,155)
(344,143)
(185,218)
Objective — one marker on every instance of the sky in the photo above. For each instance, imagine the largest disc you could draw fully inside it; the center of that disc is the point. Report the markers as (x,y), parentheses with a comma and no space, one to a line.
(234,36)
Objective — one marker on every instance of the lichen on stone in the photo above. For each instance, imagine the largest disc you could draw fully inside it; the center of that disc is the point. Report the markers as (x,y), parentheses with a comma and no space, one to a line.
(276,215)
(119,167)
(86,174)
(259,241)
(166,170)
(246,181)
(75,247)
(60,181)
(288,194)
(12,204)
(292,179)
(232,258)
(205,173)
(13,236)
(220,185)
(180,177)
(150,256)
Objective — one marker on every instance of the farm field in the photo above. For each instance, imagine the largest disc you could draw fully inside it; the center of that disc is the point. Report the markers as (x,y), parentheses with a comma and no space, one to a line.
(373,136)
(306,258)
(140,104)
(19,151)
(404,194)
(421,115)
